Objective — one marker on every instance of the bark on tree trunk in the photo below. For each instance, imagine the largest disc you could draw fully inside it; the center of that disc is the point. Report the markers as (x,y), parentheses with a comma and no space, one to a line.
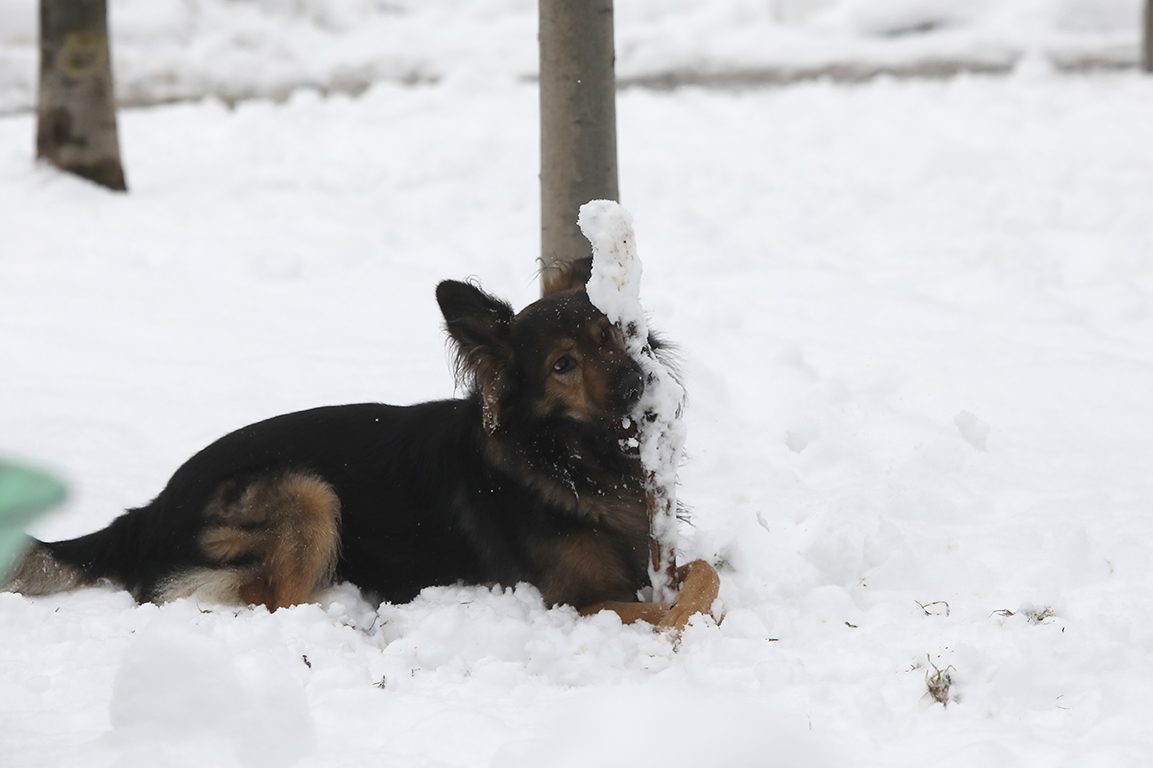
(76,108)
(577,124)
(1147,42)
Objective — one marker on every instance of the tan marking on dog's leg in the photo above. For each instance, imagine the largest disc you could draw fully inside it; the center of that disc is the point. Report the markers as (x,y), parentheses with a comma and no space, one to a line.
(230,543)
(630,613)
(287,528)
(700,585)
(256,590)
(699,588)
(308,544)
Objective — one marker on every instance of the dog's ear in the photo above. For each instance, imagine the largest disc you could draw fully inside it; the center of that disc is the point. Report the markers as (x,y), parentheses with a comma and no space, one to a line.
(566,275)
(480,326)
(477,322)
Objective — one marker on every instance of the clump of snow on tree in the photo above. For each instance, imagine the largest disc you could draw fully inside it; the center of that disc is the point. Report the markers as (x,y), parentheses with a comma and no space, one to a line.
(614,289)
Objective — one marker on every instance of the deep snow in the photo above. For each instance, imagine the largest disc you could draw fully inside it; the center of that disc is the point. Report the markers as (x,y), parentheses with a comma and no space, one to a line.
(915,322)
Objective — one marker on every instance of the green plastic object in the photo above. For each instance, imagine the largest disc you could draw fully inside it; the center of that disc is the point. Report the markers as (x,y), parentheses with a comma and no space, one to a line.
(25,494)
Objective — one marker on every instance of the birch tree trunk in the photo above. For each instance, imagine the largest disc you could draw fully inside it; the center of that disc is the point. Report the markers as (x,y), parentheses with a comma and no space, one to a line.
(1147,39)
(577,124)
(76,108)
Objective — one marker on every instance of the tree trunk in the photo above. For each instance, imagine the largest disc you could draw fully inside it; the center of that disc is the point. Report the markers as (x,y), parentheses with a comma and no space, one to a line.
(1147,42)
(578,130)
(76,109)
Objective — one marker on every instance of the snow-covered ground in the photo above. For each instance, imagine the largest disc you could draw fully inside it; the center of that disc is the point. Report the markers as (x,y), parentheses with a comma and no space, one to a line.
(166,50)
(916,322)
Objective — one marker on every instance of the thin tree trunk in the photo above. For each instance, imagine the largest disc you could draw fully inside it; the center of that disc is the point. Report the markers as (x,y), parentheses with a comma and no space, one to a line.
(76,109)
(577,122)
(1147,42)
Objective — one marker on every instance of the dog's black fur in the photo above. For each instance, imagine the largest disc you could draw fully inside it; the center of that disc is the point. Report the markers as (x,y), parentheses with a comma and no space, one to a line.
(528,478)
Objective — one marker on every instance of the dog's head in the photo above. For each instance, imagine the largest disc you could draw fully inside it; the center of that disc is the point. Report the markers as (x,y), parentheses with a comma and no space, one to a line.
(559,360)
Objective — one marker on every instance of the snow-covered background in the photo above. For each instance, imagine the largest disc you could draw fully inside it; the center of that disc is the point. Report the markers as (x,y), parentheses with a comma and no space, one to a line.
(916,322)
(169,50)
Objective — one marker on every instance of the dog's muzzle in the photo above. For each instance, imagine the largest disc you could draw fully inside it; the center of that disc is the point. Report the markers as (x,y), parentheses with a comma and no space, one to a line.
(628,386)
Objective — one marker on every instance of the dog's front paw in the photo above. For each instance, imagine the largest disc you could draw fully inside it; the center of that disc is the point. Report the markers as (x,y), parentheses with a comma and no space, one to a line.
(699,588)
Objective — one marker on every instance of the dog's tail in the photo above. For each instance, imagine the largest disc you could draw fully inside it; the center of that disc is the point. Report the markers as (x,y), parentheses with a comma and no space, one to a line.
(58,566)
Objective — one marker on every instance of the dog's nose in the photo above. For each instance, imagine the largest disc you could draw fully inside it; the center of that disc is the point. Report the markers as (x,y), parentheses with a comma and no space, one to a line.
(629,386)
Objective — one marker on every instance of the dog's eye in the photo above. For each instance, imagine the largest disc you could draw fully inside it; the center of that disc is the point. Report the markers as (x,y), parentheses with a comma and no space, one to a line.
(563,365)
(607,334)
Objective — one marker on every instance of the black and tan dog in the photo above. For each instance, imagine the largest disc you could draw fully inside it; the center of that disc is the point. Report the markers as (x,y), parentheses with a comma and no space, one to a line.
(529,478)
